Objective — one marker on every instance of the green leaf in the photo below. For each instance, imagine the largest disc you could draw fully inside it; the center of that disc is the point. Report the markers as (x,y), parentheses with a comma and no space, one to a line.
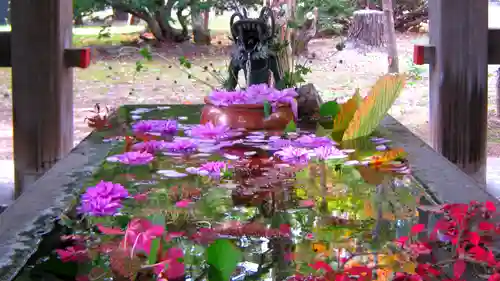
(331,108)
(267,109)
(292,24)
(223,256)
(185,62)
(146,53)
(375,106)
(158,219)
(291,127)
(153,252)
(322,132)
(138,66)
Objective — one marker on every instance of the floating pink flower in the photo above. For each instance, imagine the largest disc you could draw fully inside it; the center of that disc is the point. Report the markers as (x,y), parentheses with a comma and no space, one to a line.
(140,234)
(210,131)
(133,158)
(171,266)
(151,146)
(184,203)
(213,169)
(312,141)
(182,146)
(293,155)
(104,199)
(329,152)
(163,127)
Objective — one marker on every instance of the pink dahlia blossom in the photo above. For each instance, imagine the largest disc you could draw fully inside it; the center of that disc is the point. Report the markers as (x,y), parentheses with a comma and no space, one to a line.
(210,131)
(182,146)
(103,199)
(134,158)
(293,155)
(329,152)
(151,146)
(312,141)
(163,127)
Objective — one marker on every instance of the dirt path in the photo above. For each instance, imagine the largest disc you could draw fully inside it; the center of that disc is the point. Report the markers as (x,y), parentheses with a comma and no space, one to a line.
(113,82)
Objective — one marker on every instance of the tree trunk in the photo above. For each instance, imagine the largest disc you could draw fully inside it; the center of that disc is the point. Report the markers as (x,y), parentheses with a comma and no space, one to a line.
(367,28)
(79,20)
(306,32)
(392,48)
(158,23)
(498,92)
(119,15)
(201,36)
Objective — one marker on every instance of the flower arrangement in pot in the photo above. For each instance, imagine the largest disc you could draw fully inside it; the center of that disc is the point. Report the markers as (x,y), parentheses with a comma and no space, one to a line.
(256,108)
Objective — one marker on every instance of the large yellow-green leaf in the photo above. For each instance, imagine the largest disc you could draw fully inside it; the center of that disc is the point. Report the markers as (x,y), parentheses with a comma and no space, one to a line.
(346,113)
(375,106)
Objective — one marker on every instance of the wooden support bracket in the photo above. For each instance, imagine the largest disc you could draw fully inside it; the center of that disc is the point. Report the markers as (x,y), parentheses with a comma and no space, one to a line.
(426,54)
(73,57)
(77,57)
(423,54)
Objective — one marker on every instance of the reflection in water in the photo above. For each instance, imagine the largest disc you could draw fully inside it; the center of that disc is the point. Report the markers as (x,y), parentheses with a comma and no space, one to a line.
(280,219)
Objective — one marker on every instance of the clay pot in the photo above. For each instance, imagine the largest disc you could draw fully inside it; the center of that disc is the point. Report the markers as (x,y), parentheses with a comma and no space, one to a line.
(247,116)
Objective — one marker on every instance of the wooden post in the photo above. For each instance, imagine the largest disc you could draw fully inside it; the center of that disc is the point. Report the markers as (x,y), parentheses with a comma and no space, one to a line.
(459,81)
(42,85)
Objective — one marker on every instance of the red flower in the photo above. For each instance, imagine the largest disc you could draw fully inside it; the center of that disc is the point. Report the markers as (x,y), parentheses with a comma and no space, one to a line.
(494,277)
(420,248)
(75,253)
(399,276)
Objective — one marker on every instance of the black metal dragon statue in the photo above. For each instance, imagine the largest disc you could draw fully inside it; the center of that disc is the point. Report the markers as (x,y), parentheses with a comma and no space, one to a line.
(252,52)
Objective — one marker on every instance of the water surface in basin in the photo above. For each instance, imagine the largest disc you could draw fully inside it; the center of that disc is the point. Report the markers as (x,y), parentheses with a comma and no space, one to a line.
(232,204)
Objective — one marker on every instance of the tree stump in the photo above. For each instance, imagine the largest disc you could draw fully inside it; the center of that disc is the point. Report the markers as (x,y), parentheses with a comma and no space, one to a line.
(367,28)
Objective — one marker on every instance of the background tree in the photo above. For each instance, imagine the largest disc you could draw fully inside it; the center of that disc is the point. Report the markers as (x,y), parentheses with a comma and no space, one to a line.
(159,14)
(83,8)
(332,14)
(390,33)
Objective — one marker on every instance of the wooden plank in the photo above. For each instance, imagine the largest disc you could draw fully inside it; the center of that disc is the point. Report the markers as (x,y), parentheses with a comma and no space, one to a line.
(42,86)
(5,49)
(459,82)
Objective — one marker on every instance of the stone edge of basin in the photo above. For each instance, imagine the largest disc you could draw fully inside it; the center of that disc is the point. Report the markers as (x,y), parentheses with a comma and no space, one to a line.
(445,181)
(33,214)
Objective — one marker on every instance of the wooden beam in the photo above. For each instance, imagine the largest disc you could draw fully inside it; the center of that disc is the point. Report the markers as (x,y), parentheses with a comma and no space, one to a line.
(42,86)
(425,53)
(459,82)
(5,49)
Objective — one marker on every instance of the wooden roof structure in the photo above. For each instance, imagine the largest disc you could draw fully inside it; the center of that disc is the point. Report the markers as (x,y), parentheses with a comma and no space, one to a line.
(39,51)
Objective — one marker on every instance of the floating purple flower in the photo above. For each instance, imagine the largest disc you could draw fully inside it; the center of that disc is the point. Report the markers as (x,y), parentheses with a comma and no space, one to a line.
(213,169)
(210,131)
(279,143)
(293,155)
(133,158)
(182,146)
(163,127)
(328,152)
(103,199)
(106,189)
(225,98)
(152,146)
(312,141)
(259,93)
(379,141)
(100,207)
